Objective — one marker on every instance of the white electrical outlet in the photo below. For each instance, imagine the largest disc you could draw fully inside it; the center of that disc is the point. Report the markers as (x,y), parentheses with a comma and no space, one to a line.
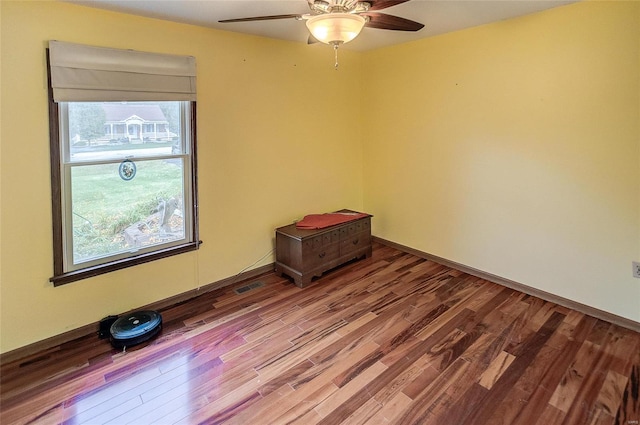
(636,268)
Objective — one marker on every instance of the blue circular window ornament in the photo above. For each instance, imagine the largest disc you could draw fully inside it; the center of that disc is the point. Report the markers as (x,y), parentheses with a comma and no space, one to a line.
(127,170)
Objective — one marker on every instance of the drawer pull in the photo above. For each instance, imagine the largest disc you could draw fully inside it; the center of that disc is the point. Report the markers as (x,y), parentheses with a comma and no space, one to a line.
(355,241)
(321,255)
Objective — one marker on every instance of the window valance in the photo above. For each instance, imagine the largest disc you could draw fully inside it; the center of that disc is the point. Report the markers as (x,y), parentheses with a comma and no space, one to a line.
(87,73)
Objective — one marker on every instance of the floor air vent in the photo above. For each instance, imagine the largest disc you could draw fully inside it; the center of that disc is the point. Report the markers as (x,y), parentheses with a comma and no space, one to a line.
(249,287)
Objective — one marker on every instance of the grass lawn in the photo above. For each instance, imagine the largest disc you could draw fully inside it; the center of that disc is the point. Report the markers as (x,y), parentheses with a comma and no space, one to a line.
(104,204)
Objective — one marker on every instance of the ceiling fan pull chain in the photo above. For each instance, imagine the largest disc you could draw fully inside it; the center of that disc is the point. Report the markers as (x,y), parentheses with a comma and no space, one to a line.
(335,50)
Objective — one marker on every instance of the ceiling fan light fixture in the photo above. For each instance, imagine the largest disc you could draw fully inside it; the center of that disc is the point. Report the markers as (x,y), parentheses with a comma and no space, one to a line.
(336,28)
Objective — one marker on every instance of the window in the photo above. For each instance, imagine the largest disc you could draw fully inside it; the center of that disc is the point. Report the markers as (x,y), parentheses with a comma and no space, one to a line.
(123,168)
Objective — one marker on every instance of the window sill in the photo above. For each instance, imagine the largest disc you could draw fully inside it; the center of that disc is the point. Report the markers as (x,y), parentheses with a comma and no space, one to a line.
(88,272)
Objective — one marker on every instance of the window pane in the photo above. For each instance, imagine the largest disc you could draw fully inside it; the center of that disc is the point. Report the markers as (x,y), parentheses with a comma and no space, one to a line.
(126,206)
(108,130)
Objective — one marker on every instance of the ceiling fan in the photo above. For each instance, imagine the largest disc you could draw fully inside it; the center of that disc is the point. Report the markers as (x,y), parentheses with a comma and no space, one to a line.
(336,22)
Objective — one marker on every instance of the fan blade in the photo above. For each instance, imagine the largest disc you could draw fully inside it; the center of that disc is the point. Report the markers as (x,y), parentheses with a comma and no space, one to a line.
(261,18)
(383,4)
(389,22)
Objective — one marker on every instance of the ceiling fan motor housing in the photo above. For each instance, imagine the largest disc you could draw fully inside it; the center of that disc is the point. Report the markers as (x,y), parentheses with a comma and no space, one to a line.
(343,6)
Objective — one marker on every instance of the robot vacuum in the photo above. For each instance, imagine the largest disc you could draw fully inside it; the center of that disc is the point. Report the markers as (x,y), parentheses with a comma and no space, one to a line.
(135,328)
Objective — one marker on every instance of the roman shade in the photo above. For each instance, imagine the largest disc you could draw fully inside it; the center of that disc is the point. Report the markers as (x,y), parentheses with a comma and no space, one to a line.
(81,73)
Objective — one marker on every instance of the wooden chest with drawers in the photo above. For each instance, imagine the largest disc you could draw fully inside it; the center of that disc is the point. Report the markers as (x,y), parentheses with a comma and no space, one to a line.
(306,253)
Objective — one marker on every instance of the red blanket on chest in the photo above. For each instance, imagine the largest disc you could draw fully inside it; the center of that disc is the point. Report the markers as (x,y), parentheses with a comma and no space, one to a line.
(320,221)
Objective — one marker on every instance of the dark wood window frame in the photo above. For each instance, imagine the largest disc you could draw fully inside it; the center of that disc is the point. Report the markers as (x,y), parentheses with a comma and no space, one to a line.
(60,277)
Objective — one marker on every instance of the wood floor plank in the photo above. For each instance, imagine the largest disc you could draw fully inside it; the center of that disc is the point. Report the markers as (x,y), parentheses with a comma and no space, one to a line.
(391,410)
(567,390)
(495,370)
(352,403)
(546,378)
(364,414)
(331,367)
(489,400)
(113,413)
(507,411)
(629,408)
(257,350)
(549,415)
(391,339)
(109,396)
(260,410)
(298,406)
(419,409)
(348,389)
(610,395)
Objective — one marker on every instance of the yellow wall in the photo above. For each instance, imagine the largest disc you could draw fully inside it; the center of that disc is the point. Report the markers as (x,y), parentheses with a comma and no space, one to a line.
(276,140)
(514,148)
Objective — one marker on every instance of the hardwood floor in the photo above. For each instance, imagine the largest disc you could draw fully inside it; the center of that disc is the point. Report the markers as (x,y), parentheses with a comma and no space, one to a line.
(393,339)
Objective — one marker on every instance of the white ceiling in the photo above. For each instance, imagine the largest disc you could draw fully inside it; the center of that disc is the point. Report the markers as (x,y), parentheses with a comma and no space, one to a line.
(438,16)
